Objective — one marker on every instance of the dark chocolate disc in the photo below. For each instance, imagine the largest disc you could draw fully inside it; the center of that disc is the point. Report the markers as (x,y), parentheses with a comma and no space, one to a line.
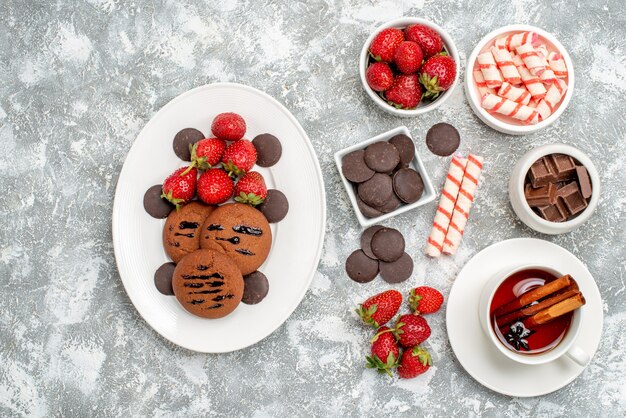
(405,147)
(442,139)
(354,168)
(366,210)
(390,205)
(382,157)
(377,190)
(388,244)
(361,268)
(408,185)
(366,240)
(154,204)
(255,288)
(275,206)
(397,271)
(268,150)
(163,278)
(183,140)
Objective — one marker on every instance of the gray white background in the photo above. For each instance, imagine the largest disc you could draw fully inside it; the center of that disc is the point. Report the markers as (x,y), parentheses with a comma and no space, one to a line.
(78,80)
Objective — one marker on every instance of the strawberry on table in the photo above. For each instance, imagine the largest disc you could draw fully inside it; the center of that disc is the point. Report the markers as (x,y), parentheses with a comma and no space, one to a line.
(408,57)
(251,189)
(405,93)
(379,76)
(428,39)
(425,300)
(239,157)
(380,308)
(384,45)
(207,152)
(228,126)
(411,330)
(437,75)
(180,186)
(414,362)
(385,351)
(215,186)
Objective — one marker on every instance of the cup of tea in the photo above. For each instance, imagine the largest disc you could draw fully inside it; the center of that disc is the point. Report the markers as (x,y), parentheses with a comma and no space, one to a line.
(532,315)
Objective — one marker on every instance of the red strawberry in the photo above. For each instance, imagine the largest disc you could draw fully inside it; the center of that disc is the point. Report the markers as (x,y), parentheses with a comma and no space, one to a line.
(405,93)
(251,189)
(215,186)
(408,57)
(385,43)
(207,152)
(380,308)
(385,351)
(428,39)
(437,75)
(414,362)
(425,300)
(180,186)
(228,126)
(411,330)
(379,76)
(239,157)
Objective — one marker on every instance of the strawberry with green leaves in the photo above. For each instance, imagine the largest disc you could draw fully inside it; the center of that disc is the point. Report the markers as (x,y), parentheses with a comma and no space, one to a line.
(379,309)
(384,352)
(384,45)
(414,362)
(251,189)
(180,186)
(411,330)
(405,92)
(425,300)
(239,157)
(215,186)
(437,75)
(207,152)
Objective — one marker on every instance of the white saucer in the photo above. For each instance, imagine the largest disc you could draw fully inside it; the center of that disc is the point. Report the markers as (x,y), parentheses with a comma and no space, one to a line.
(475,351)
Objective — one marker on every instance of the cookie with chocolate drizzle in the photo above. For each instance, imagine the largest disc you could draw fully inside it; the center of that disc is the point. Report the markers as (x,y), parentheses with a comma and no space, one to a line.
(242,231)
(181,233)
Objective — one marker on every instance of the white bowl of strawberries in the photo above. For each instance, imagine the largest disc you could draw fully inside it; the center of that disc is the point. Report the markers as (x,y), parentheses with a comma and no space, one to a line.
(409,66)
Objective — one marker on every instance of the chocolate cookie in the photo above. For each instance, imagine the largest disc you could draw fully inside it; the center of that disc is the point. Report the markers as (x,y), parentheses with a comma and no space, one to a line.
(208,284)
(388,244)
(408,185)
(397,271)
(382,157)
(366,210)
(354,168)
(154,204)
(361,268)
(163,278)
(377,190)
(181,233)
(255,288)
(243,233)
(442,139)
(268,149)
(275,206)
(183,140)
(405,147)
(366,240)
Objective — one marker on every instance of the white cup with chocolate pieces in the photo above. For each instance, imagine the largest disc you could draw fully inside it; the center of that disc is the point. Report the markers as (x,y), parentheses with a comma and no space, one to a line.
(533,315)
(554,189)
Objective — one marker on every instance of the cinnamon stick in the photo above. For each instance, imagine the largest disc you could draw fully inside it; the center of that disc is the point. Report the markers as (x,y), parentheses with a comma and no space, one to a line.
(543,304)
(534,295)
(555,311)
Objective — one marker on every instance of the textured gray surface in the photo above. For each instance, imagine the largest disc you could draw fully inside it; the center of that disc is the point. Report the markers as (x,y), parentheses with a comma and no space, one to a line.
(80,79)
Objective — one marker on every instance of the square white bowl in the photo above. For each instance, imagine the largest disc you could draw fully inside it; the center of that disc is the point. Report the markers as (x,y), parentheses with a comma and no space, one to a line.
(416,164)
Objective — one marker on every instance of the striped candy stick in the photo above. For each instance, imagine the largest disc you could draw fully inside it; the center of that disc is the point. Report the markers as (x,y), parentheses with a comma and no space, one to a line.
(505,63)
(557,64)
(488,67)
(514,40)
(506,107)
(517,94)
(554,95)
(449,193)
(533,84)
(481,84)
(532,59)
(463,204)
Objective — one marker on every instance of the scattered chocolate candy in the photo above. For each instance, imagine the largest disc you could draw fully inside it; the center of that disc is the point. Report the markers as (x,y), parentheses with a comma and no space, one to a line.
(275,206)
(382,157)
(354,168)
(361,268)
(154,204)
(388,244)
(163,278)
(408,185)
(366,240)
(397,271)
(442,139)
(268,149)
(405,147)
(255,288)
(183,140)
(377,190)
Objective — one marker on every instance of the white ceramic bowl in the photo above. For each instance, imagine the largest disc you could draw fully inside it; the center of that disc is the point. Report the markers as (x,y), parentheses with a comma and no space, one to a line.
(524,211)
(474,98)
(401,23)
(416,164)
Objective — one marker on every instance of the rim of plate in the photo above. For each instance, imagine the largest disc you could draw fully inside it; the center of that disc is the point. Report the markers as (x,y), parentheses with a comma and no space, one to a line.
(318,172)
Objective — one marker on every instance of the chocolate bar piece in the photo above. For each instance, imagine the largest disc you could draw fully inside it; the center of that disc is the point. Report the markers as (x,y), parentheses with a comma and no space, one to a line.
(564,166)
(552,213)
(542,172)
(541,196)
(583,181)
(572,198)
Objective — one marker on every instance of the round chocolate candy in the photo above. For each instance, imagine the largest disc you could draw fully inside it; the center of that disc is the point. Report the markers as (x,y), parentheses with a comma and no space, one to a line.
(361,268)
(388,244)
(354,168)
(183,140)
(366,240)
(163,278)
(382,157)
(377,190)
(405,147)
(154,204)
(268,149)
(366,210)
(275,206)
(255,288)
(390,205)
(408,185)
(442,139)
(397,271)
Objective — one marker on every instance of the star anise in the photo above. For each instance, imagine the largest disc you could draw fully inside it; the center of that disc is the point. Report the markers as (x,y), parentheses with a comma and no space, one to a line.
(518,335)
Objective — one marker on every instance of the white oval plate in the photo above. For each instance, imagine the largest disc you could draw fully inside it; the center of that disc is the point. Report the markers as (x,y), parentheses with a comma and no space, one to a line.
(297,239)
(473,348)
